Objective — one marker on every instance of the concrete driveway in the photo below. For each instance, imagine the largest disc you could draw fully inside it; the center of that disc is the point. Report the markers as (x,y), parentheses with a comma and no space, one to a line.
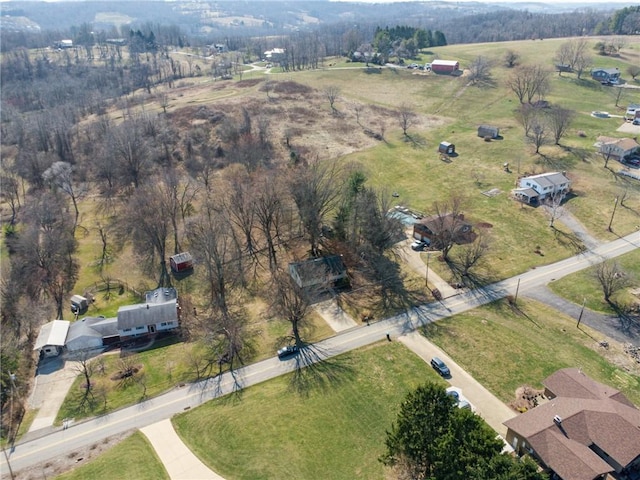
(487,405)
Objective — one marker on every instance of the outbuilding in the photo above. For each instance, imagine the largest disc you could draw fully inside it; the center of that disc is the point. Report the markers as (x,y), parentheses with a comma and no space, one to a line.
(52,338)
(487,131)
(443,66)
(447,148)
(181,262)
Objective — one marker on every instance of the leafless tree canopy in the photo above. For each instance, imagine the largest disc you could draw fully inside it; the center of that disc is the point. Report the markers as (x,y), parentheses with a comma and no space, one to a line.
(611,278)
(406,117)
(529,83)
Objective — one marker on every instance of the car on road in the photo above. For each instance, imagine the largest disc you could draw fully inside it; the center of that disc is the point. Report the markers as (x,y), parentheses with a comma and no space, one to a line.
(418,245)
(287,351)
(440,367)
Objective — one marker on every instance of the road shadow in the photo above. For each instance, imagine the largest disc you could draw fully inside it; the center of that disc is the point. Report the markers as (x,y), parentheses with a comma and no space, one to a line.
(315,370)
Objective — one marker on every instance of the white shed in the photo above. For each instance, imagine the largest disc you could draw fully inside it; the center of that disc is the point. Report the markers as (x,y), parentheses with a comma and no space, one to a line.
(52,337)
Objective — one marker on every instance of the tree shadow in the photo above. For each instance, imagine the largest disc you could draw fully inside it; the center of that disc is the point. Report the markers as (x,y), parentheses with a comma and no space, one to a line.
(569,240)
(315,370)
(629,319)
(373,70)
(416,140)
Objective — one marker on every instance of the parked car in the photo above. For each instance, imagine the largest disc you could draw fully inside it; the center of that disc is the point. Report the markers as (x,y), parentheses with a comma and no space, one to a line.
(418,245)
(287,351)
(440,367)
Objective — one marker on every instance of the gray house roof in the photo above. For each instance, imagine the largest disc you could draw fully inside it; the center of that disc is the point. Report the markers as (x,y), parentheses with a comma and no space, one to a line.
(550,179)
(144,314)
(161,295)
(89,332)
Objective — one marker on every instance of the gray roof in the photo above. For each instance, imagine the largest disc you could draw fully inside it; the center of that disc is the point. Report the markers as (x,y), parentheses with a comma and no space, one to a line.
(144,314)
(549,179)
(528,192)
(161,295)
(93,327)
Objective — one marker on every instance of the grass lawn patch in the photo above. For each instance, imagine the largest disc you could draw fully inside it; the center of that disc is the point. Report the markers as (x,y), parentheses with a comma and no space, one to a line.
(134,457)
(270,431)
(504,350)
(584,286)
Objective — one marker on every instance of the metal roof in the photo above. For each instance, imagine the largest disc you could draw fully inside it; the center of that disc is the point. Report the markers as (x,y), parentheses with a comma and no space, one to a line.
(144,314)
(52,333)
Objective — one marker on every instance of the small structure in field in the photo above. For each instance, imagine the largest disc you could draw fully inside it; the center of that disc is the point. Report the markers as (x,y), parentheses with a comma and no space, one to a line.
(79,304)
(446,67)
(181,262)
(487,131)
(446,148)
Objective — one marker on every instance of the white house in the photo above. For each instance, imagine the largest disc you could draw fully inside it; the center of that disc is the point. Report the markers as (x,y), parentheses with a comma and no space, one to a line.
(616,148)
(537,188)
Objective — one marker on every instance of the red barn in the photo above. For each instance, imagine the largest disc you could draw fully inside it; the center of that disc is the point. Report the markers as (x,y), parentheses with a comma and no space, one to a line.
(445,66)
(181,262)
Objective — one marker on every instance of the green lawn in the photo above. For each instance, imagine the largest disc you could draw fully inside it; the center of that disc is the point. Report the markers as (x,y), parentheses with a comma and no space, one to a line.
(504,350)
(335,430)
(133,458)
(583,286)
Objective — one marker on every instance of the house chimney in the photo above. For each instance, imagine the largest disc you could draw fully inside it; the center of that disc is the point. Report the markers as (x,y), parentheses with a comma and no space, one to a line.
(147,306)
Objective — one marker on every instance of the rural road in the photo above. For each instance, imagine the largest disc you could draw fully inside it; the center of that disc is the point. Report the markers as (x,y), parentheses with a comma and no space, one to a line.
(61,442)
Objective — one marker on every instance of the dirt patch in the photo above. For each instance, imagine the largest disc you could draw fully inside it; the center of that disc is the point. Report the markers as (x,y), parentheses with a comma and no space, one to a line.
(527,398)
(64,463)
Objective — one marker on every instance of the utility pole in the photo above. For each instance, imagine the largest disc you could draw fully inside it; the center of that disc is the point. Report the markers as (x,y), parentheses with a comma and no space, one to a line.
(584,300)
(612,214)
(515,299)
(426,278)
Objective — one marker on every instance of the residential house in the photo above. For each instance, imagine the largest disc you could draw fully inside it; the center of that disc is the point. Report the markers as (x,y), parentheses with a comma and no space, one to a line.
(92,333)
(318,272)
(438,230)
(606,75)
(274,55)
(537,188)
(584,432)
(160,313)
(485,131)
(616,148)
(51,338)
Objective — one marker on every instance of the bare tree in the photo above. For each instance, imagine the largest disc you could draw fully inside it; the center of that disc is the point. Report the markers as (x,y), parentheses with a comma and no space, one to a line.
(511,58)
(633,70)
(470,256)
(539,133)
(315,189)
(270,204)
(10,193)
(448,225)
(332,93)
(554,206)
(406,117)
(529,82)
(618,94)
(480,70)
(292,303)
(85,367)
(560,120)
(60,175)
(142,220)
(611,278)
(564,57)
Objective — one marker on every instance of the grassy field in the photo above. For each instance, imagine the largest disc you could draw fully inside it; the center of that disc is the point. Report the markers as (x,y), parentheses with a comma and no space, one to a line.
(134,457)
(272,431)
(504,350)
(584,286)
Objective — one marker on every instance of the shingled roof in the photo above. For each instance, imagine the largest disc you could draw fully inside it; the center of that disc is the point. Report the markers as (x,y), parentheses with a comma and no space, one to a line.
(583,418)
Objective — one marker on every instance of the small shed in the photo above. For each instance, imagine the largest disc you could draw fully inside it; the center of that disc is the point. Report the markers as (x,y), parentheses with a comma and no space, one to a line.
(181,262)
(485,131)
(447,148)
(79,304)
(52,337)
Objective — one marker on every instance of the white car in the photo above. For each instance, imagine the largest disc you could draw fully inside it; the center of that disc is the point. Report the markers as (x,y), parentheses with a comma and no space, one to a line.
(461,401)
(417,245)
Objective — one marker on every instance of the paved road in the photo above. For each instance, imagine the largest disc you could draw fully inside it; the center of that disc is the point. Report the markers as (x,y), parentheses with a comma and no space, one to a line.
(160,408)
